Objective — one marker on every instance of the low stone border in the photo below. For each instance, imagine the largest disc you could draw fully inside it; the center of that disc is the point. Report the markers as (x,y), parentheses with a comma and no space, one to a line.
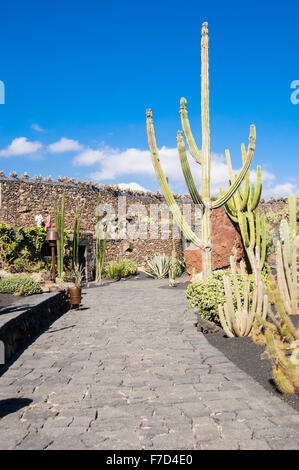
(23,325)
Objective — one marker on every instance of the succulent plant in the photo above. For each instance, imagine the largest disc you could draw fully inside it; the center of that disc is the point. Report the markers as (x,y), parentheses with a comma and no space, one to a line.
(159,266)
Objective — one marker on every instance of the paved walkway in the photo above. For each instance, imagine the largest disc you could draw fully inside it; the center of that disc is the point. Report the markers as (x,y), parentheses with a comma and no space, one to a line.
(129,371)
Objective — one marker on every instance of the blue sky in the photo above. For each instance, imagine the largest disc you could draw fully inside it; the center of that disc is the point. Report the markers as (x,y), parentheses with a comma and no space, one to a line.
(79,76)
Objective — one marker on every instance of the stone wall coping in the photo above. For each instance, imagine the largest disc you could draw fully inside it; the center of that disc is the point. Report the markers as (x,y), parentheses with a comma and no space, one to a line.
(114,189)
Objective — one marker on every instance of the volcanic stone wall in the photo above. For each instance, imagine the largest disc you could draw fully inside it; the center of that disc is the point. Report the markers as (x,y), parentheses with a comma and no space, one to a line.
(22,199)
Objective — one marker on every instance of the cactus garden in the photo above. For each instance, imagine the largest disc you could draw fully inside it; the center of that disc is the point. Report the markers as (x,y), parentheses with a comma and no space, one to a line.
(136,316)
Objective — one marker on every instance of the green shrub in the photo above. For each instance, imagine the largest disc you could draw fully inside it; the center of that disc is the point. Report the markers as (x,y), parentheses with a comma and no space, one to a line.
(121,268)
(205,296)
(12,284)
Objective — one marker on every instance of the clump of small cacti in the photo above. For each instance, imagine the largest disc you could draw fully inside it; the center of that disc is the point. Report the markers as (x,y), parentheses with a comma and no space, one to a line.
(280,335)
(238,321)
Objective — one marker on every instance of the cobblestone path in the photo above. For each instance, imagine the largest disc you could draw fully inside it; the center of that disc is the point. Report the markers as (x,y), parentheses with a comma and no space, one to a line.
(129,371)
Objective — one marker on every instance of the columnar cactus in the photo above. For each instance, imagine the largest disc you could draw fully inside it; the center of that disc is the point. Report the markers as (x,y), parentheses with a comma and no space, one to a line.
(59,224)
(287,229)
(101,244)
(238,322)
(241,209)
(203,158)
(76,237)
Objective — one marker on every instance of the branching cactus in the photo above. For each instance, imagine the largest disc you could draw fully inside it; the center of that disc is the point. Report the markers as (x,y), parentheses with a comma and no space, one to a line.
(241,209)
(238,322)
(203,158)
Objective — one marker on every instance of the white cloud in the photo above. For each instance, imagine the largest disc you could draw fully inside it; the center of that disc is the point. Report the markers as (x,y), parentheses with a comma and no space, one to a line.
(20,146)
(114,163)
(64,145)
(37,128)
(280,190)
(133,187)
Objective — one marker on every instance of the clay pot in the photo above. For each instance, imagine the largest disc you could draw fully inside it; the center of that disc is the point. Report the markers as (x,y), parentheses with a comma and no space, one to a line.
(74,296)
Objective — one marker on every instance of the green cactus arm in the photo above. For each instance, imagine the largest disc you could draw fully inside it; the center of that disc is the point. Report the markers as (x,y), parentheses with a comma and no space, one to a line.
(285,235)
(292,213)
(244,229)
(263,240)
(284,385)
(196,198)
(231,215)
(258,230)
(187,131)
(177,215)
(246,193)
(251,229)
(235,200)
(230,192)
(257,190)
(232,208)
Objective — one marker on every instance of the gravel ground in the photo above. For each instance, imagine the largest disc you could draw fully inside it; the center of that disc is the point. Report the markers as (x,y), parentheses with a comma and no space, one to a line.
(251,359)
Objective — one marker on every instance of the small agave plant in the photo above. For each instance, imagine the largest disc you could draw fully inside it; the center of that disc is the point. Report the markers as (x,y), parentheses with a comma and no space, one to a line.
(159,266)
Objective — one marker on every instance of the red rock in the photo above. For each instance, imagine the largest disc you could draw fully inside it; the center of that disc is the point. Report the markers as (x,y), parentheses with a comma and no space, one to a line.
(224,238)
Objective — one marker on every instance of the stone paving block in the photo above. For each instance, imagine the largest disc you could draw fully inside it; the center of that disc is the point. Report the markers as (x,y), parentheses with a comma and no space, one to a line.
(173,441)
(291,443)
(229,444)
(274,432)
(193,410)
(253,444)
(35,441)
(205,429)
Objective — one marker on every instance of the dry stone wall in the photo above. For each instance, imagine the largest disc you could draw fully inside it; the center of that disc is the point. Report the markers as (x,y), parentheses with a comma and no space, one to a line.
(22,199)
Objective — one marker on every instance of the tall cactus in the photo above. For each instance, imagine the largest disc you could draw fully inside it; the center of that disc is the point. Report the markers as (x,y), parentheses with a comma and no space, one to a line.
(59,224)
(203,158)
(242,209)
(101,244)
(76,237)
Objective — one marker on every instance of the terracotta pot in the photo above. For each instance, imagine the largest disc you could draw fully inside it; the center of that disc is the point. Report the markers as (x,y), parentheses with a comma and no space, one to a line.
(74,296)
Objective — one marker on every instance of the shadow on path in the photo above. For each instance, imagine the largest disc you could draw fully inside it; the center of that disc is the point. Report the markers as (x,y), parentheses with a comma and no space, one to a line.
(11,405)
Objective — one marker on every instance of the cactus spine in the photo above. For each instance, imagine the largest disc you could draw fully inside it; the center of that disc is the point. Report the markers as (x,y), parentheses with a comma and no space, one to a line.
(59,224)
(239,322)
(203,158)
(242,209)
